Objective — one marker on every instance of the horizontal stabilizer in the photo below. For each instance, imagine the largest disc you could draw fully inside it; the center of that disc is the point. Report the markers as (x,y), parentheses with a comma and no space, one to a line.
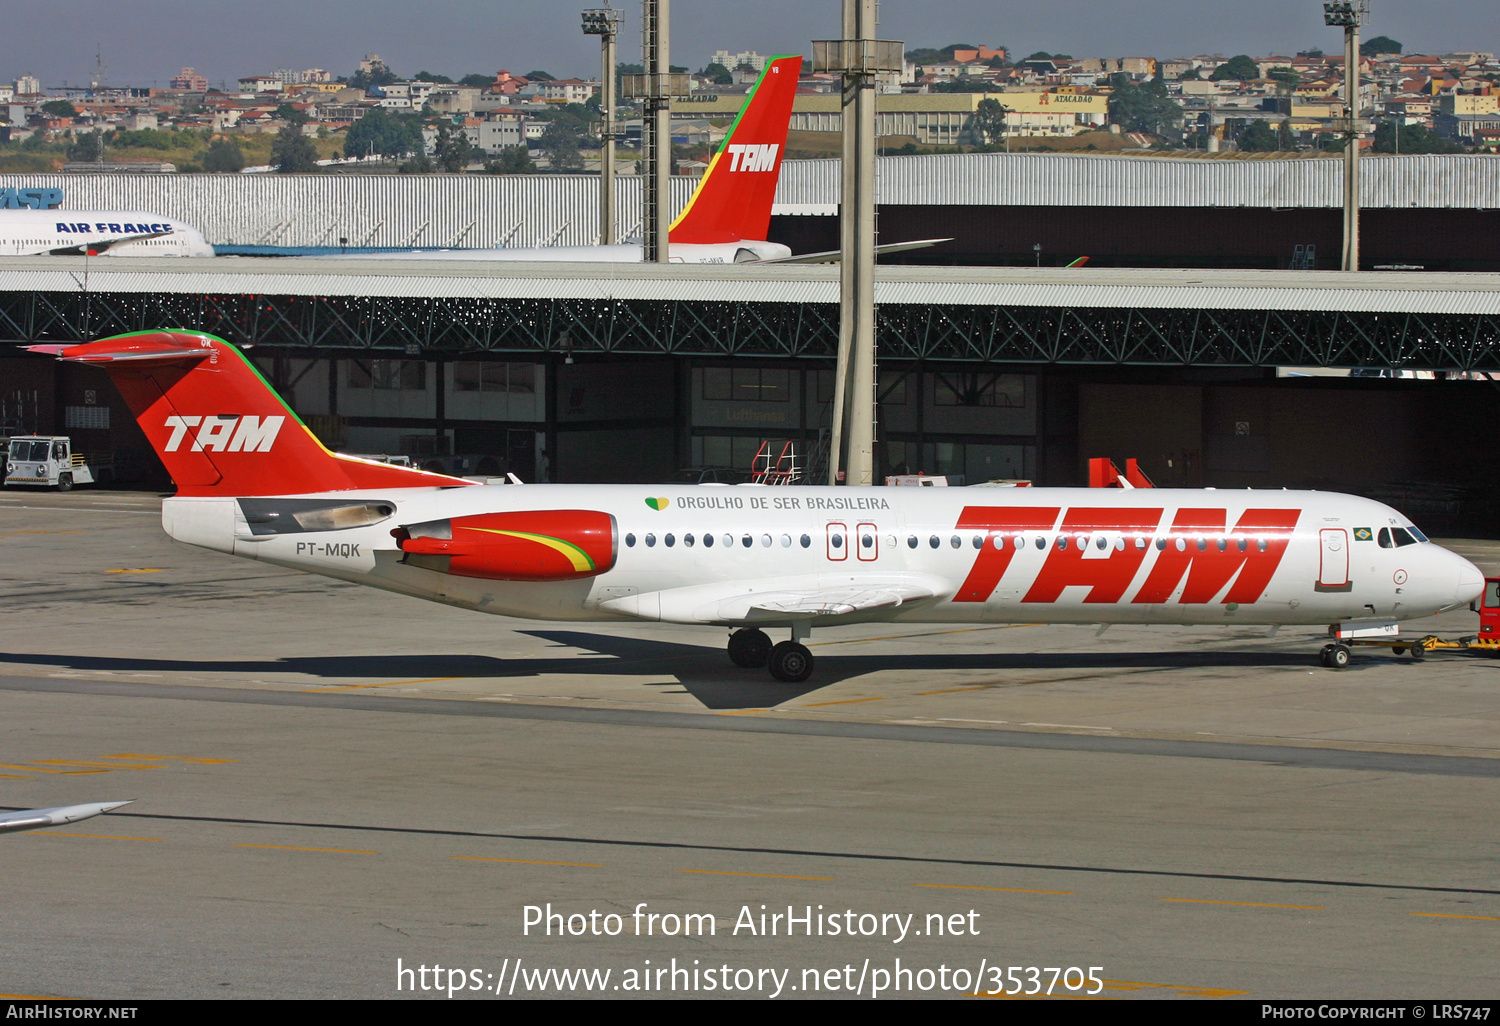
(151,347)
(832,256)
(32,819)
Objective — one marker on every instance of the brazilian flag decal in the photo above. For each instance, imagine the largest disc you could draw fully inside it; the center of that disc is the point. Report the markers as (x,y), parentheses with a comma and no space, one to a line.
(1363,534)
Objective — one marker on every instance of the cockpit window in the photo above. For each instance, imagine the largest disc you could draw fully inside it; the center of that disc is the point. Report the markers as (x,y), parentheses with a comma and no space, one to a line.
(1418,535)
(1398,537)
(1385,538)
(1401,537)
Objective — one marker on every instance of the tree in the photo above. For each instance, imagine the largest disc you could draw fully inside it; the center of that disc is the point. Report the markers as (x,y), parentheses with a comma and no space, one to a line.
(1379,45)
(717,74)
(378,75)
(1287,79)
(379,131)
(291,115)
(427,76)
(989,120)
(1259,137)
(88,146)
(1143,107)
(966,84)
(477,81)
(452,150)
(560,144)
(1240,67)
(540,76)
(223,156)
(512,160)
(1413,139)
(59,109)
(419,164)
(292,153)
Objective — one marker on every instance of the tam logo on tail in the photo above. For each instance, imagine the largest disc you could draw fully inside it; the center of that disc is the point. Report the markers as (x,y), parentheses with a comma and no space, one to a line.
(227,432)
(753,157)
(729,207)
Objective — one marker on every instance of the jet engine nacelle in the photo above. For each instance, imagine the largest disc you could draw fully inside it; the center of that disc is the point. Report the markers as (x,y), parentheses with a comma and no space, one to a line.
(532,545)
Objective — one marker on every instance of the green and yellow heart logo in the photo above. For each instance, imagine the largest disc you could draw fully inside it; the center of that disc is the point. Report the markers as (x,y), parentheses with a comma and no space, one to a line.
(658,504)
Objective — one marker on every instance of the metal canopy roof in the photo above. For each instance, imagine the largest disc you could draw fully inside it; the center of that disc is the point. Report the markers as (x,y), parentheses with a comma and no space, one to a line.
(1010,287)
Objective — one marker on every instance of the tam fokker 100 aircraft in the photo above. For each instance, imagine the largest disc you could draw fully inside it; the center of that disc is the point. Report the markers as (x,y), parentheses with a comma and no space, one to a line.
(98,233)
(253,481)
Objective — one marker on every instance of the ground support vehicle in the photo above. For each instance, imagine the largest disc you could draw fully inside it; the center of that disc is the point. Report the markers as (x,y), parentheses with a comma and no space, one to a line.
(1487,641)
(49,461)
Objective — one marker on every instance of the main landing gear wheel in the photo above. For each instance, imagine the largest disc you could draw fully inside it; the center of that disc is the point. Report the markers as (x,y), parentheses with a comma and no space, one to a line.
(791,662)
(1335,657)
(749,647)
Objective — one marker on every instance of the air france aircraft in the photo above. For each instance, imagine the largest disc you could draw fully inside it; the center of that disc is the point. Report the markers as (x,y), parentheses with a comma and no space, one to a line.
(254,482)
(97,233)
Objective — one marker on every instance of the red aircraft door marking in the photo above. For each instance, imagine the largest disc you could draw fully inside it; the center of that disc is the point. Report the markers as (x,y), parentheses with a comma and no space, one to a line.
(1106,577)
(871,552)
(840,551)
(1002,524)
(1208,568)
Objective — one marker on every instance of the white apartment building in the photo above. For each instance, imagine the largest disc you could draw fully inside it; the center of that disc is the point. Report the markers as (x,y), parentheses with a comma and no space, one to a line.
(730,61)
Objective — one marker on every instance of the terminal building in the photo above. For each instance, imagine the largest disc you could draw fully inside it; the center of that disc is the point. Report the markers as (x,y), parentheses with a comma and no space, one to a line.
(1210,376)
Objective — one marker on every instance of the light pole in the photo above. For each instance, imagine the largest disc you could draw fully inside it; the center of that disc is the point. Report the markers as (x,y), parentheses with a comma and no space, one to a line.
(658,86)
(1348,14)
(858,57)
(605,23)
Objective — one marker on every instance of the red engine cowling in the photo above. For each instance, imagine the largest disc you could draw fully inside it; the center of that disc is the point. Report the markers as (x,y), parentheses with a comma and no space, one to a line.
(531,545)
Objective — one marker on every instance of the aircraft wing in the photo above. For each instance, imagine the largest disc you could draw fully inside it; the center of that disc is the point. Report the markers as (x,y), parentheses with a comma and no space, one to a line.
(851,596)
(33,819)
(826,602)
(832,256)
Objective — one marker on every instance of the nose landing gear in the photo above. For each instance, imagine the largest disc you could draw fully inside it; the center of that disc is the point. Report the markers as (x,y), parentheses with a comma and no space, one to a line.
(1335,656)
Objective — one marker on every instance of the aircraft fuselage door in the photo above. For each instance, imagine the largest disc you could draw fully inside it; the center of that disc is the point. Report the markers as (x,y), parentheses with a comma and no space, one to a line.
(838,542)
(1333,567)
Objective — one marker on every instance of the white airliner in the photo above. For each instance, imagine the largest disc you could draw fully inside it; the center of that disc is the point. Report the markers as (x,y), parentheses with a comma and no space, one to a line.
(729,214)
(727,218)
(254,482)
(97,233)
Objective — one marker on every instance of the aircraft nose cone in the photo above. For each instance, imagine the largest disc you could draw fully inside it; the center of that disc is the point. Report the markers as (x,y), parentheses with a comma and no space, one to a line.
(1470,581)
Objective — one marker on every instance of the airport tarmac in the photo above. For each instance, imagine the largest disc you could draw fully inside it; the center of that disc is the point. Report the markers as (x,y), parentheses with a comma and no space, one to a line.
(330,778)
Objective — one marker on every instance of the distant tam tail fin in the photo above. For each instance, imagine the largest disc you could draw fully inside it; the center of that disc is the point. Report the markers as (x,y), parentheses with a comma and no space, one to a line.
(219,427)
(733,201)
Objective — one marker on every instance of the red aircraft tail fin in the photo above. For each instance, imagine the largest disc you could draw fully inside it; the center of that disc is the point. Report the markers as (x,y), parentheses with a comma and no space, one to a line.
(733,201)
(218,426)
